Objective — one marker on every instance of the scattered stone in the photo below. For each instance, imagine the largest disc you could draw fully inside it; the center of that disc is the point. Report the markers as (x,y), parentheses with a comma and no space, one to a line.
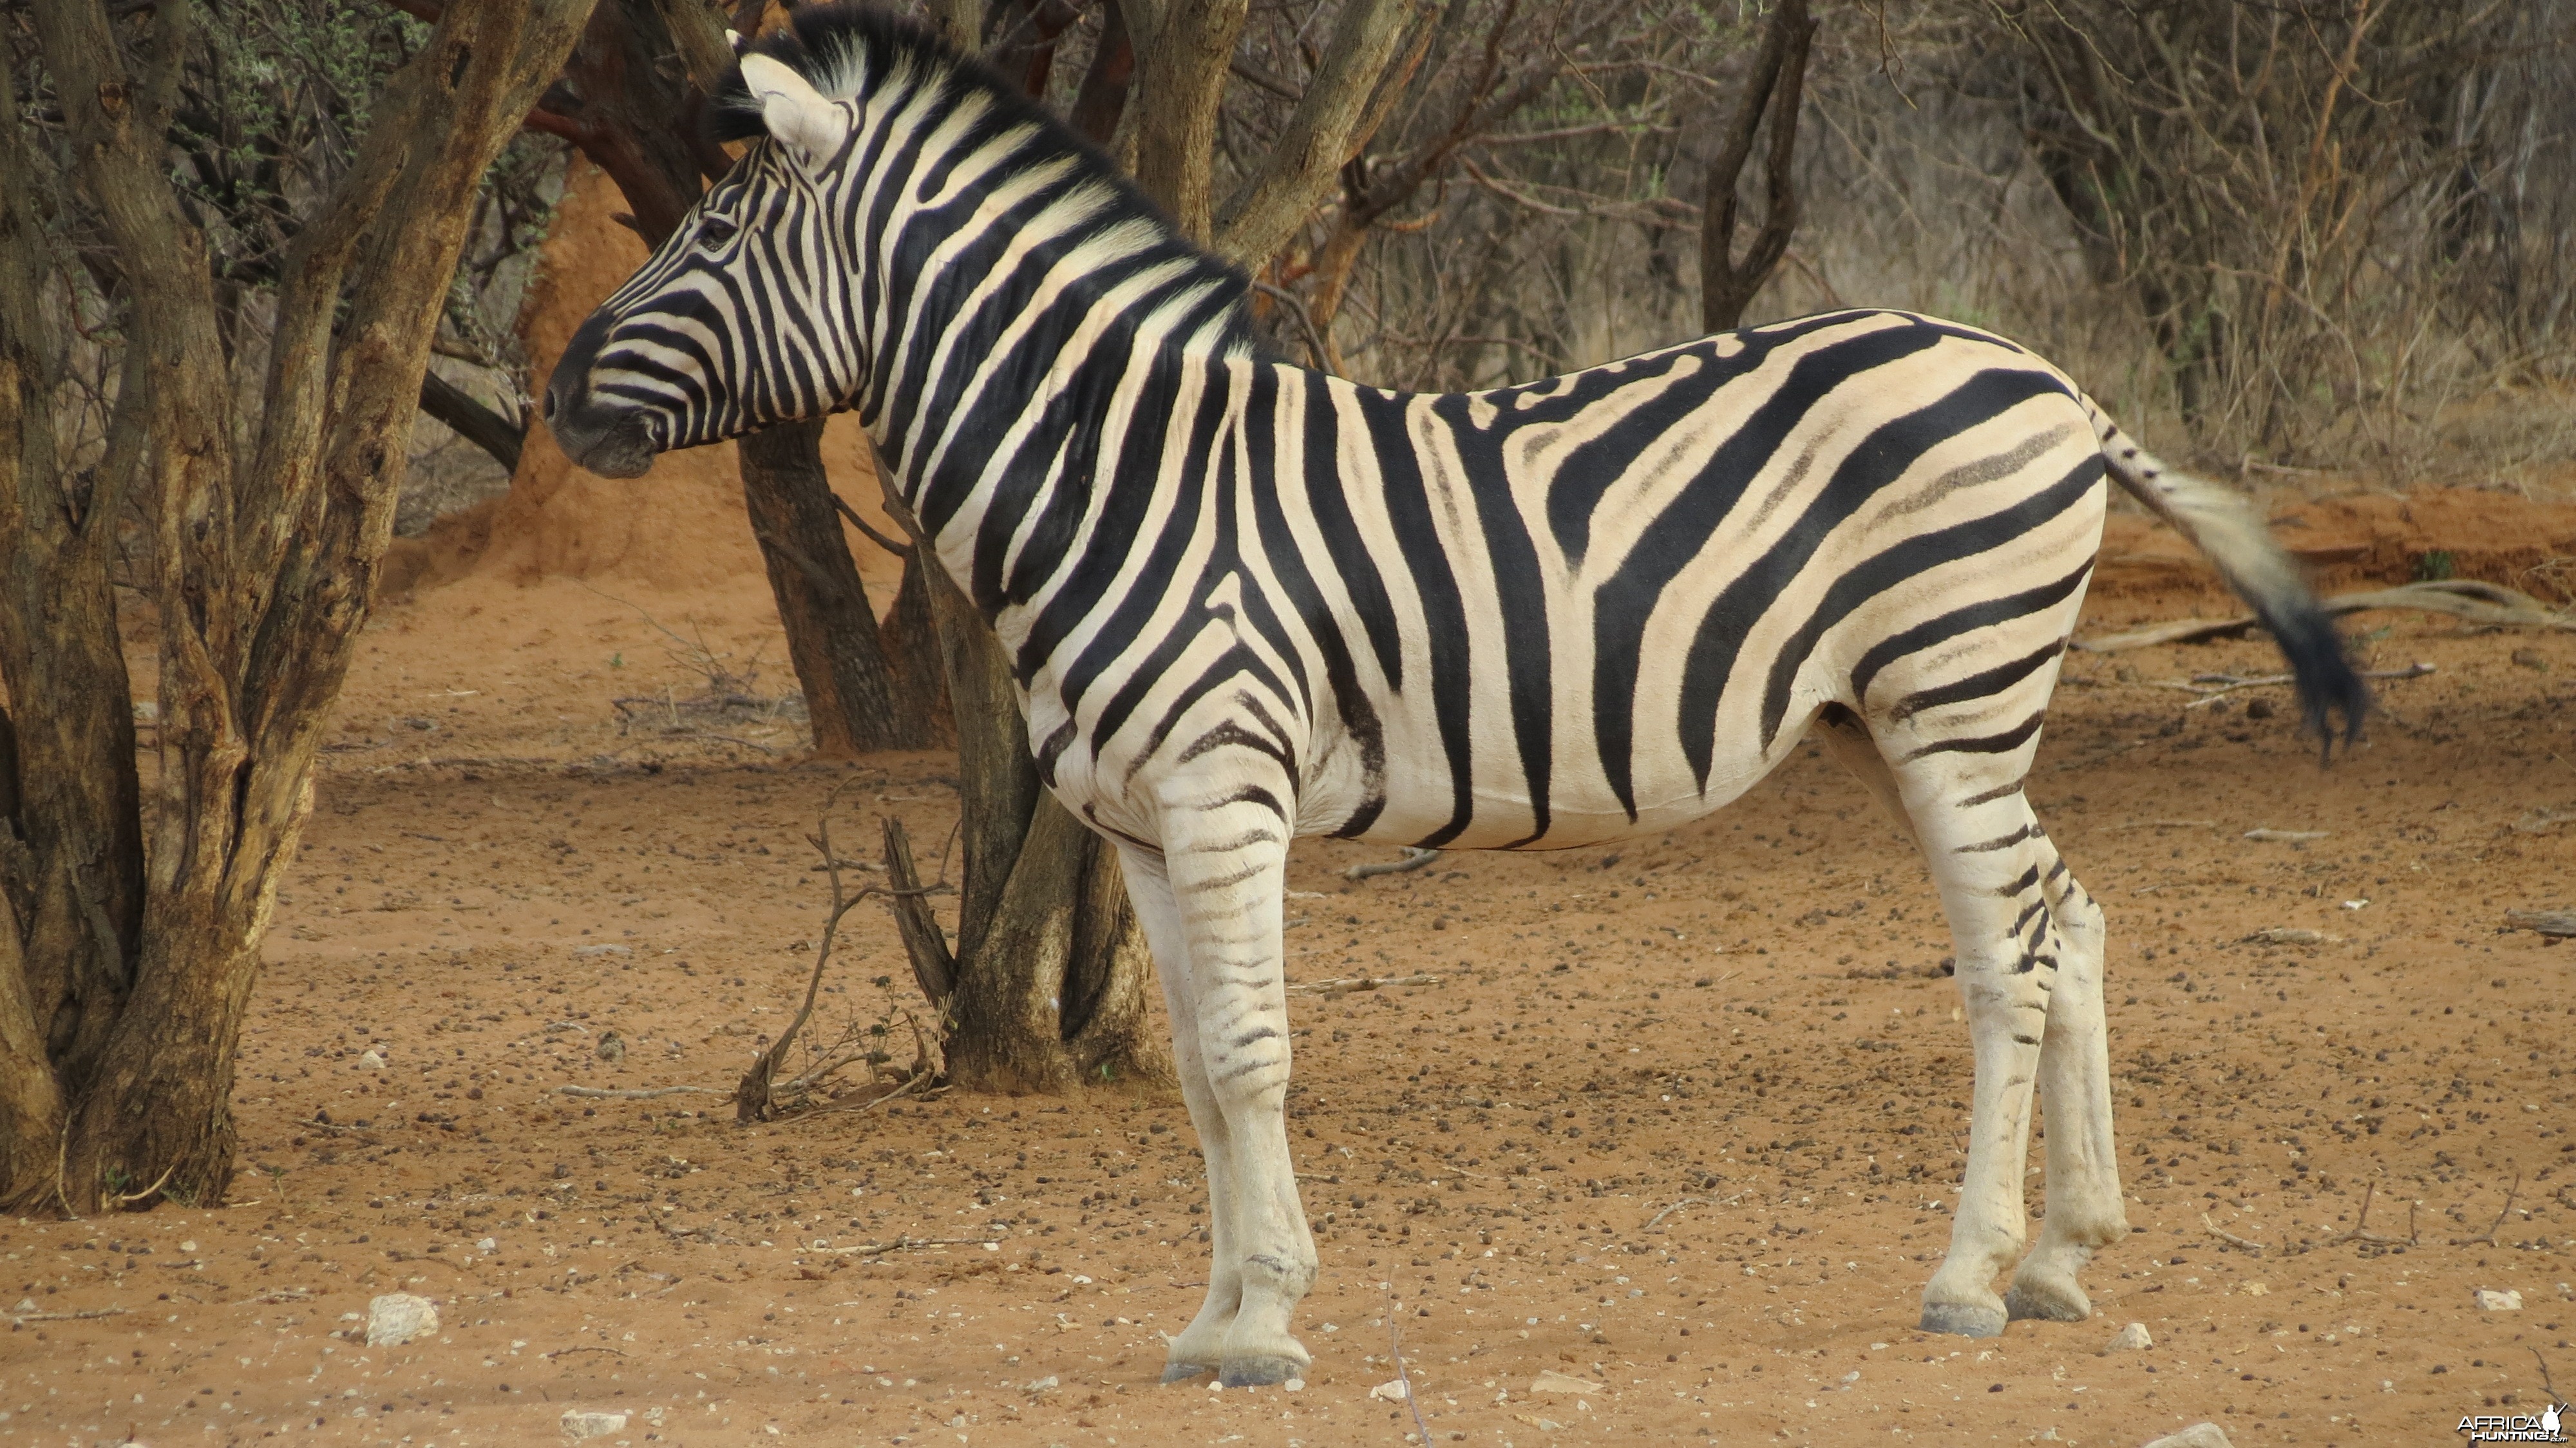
(579,1423)
(2198,1435)
(2132,1338)
(1040,1385)
(370,1060)
(581,952)
(1392,1391)
(1562,1383)
(611,1047)
(2490,1300)
(1293,1385)
(2528,658)
(398,1317)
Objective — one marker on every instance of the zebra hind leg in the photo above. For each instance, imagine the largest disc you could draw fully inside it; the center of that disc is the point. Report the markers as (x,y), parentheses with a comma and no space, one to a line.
(1989,859)
(2084,1211)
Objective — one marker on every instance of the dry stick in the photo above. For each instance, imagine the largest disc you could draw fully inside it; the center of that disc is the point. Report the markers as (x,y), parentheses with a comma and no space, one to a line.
(1415,857)
(2212,696)
(2361,1227)
(1395,1348)
(1345,984)
(569,1351)
(873,1102)
(2546,1385)
(1657,1219)
(901,1244)
(81,1316)
(2230,1237)
(2489,1235)
(604,1093)
(752,1097)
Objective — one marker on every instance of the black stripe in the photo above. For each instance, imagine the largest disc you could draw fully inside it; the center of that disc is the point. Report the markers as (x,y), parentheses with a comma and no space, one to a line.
(1984,614)
(2004,743)
(1910,558)
(1978,685)
(1623,605)
(1521,595)
(1878,460)
(1408,506)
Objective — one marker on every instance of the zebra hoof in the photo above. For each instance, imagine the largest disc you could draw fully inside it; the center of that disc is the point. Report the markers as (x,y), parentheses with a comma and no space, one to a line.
(1260,1372)
(1183,1372)
(2029,1301)
(1963,1319)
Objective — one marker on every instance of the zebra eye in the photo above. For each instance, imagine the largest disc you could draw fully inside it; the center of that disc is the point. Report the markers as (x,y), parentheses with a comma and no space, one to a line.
(715,231)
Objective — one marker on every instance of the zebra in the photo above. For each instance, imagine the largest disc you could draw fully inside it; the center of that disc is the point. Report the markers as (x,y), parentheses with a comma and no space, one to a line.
(1245,601)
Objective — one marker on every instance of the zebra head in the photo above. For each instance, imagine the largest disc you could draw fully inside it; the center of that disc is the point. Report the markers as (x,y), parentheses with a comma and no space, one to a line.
(743,317)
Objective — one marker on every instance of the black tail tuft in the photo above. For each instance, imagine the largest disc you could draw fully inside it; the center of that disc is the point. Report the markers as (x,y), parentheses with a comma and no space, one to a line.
(2328,684)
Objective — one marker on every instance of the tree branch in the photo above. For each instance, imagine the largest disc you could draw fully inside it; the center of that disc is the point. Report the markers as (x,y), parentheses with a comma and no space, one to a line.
(472,420)
(1322,134)
(1776,82)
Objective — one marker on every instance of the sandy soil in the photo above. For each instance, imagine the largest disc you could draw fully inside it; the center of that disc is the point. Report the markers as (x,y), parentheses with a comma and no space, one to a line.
(1682,1120)
(1748,1017)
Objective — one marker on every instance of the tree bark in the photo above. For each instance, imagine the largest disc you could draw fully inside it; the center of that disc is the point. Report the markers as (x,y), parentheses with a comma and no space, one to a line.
(1333,120)
(1182,73)
(260,564)
(851,696)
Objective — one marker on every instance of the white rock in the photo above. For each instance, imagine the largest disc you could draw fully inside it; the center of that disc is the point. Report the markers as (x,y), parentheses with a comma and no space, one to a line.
(2490,1300)
(398,1317)
(1293,1385)
(1040,1385)
(2130,1339)
(1556,1382)
(2198,1435)
(578,1423)
(1392,1391)
(369,1060)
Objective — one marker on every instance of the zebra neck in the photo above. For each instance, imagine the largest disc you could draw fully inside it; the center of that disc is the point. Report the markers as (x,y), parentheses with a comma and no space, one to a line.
(1003,445)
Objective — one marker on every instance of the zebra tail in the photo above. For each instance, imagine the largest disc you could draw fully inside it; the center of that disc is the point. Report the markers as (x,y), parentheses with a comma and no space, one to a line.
(2226,528)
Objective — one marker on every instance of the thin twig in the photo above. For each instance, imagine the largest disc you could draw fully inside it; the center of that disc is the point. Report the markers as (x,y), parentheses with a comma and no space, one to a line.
(81,1316)
(899,550)
(1415,857)
(569,1351)
(2361,1227)
(1345,984)
(903,1244)
(2230,1237)
(1657,1219)
(2212,696)
(1395,1348)
(2489,1235)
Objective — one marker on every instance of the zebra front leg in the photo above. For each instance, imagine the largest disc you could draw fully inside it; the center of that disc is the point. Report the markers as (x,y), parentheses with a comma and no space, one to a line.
(2084,1211)
(1225,882)
(1200,1347)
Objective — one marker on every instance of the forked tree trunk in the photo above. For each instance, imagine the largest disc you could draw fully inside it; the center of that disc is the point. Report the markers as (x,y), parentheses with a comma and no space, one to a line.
(636,116)
(133,922)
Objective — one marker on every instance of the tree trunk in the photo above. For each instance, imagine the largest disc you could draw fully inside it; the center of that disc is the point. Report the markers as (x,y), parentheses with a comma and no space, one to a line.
(911,646)
(1777,83)
(637,117)
(134,924)
(851,695)
(1048,979)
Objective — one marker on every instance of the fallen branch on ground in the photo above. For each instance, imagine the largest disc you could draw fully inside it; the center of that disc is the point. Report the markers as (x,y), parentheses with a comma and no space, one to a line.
(2212,694)
(2488,1237)
(2467,598)
(2230,1237)
(2555,924)
(905,1244)
(1415,857)
(2361,1228)
(81,1316)
(1346,984)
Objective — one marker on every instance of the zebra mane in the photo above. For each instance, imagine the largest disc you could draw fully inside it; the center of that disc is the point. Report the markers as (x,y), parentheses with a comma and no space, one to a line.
(836,48)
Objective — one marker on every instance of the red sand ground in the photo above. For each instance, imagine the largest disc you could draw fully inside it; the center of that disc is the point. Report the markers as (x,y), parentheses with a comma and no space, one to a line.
(1682,1120)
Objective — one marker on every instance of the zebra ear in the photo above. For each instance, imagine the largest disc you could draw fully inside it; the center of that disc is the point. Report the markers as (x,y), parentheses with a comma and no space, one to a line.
(797,115)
